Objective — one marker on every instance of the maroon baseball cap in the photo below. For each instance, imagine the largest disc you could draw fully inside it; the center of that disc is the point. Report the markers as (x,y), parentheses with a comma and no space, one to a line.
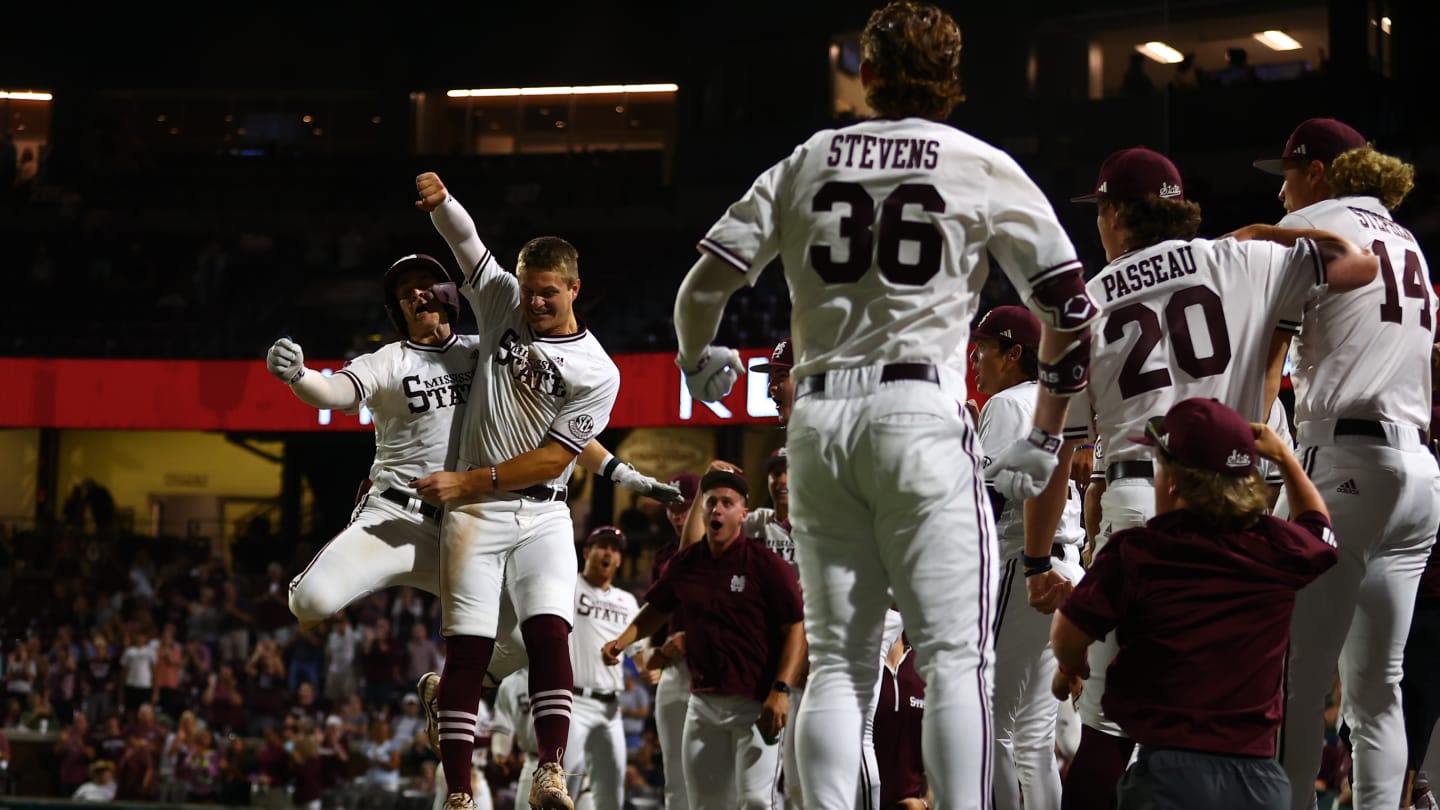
(1136,174)
(1321,139)
(606,534)
(1012,323)
(781,359)
(689,486)
(777,460)
(1205,434)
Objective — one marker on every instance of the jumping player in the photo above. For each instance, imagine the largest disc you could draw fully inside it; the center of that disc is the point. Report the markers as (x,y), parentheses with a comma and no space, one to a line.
(884,229)
(1165,336)
(543,387)
(1362,407)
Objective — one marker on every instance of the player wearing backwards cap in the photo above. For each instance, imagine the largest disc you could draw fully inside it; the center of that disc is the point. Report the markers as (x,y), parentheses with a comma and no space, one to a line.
(543,388)
(1200,598)
(884,229)
(1362,405)
(1166,336)
(745,640)
(1005,343)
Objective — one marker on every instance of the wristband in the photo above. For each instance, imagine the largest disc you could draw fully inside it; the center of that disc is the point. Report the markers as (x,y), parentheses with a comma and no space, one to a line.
(1044,440)
(609,466)
(298,375)
(1087,447)
(494,477)
(1034,565)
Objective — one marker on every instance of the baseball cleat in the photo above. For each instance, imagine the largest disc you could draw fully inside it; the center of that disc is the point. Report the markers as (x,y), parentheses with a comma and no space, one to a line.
(429,689)
(459,801)
(549,791)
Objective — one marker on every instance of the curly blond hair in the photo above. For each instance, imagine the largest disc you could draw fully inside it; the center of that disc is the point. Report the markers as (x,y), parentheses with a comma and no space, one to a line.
(914,50)
(1364,171)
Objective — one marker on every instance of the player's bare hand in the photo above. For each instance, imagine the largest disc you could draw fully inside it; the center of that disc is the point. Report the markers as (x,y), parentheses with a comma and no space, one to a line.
(612,651)
(1046,591)
(432,192)
(773,714)
(1268,442)
(725,466)
(1022,470)
(1066,687)
(640,484)
(1082,465)
(711,376)
(973,410)
(912,803)
(674,647)
(286,360)
(438,489)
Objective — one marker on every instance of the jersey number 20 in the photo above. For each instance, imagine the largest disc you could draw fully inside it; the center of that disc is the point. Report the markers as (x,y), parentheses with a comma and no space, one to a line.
(1133,381)
(859,228)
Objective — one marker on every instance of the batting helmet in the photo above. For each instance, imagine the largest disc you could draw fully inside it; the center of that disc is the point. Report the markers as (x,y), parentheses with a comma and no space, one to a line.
(443,290)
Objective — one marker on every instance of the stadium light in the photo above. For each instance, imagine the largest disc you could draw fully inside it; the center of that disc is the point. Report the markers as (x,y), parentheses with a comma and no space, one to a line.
(1277,41)
(577,90)
(25,95)
(1160,52)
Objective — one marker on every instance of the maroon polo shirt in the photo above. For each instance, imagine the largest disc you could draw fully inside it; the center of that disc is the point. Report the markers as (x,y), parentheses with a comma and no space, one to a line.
(897,732)
(734,606)
(1203,621)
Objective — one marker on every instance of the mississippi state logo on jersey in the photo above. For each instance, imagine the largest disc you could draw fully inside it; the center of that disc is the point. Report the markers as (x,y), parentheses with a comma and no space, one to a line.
(537,373)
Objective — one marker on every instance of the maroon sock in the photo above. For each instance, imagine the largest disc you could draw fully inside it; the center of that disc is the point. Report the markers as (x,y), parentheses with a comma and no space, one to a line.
(547,640)
(458,702)
(1096,770)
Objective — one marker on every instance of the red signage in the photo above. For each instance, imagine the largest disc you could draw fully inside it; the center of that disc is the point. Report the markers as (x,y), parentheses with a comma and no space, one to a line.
(240,395)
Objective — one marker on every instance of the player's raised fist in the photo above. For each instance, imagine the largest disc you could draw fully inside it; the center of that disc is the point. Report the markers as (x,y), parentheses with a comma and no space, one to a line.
(286,361)
(612,651)
(432,192)
(711,376)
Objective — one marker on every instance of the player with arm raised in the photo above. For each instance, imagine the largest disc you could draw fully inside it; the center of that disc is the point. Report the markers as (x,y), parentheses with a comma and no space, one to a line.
(543,387)
(884,229)
(1164,337)
(1362,407)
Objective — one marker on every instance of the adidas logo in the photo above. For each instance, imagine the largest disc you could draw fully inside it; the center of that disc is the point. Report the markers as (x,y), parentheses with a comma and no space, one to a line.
(1168,190)
(1348,488)
(1105,186)
(1300,150)
(1238,459)
(1005,334)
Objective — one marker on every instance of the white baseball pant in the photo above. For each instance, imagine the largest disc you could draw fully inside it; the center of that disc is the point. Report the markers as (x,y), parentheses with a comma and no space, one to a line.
(728,764)
(385,545)
(1384,504)
(672,701)
(1126,503)
(596,748)
(516,541)
(885,497)
(1025,712)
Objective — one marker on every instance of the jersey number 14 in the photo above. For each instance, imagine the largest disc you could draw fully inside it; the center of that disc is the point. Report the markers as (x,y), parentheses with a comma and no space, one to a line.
(1413,283)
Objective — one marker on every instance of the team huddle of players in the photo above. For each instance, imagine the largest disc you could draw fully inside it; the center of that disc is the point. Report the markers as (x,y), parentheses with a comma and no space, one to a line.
(901,627)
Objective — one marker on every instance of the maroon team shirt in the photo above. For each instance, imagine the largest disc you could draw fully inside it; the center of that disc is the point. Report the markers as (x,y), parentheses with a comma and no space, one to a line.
(897,732)
(734,606)
(1203,621)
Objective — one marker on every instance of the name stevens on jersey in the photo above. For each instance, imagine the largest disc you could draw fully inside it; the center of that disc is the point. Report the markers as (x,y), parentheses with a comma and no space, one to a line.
(1148,272)
(444,390)
(869,152)
(601,611)
(537,373)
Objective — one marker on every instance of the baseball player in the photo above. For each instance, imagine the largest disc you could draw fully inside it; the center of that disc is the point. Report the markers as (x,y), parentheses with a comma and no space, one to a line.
(1208,582)
(744,648)
(1005,342)
(512,728)
(543,387)
(778,383)
(884,229)
(771,525)
(1165,336)
(1362,406)
(414,387)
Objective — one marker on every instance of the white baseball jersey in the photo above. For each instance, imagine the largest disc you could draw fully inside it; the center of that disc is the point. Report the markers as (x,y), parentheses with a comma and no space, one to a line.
(512,711)
(527,387)
(600,615)
(762,525)
(414,391)
(1366,354)
(1007,416)
(910,211)
(1187,319)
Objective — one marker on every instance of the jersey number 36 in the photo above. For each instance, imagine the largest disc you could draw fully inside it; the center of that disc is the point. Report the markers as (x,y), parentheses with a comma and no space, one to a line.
(859,229)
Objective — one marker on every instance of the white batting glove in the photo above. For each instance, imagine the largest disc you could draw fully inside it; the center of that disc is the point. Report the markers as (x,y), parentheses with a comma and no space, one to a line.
(286,361)
(713,374)
(1023,469)
(641,484)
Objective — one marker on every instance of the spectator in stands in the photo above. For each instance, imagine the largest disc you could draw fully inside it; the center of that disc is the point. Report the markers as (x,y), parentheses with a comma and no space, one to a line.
(177,744)
(203,622)
(39,716)
(341,646)
(381,664)
(265,686)
(422,653)
(201,766)
(169,663)
(76,752)
(307,657)
(410,720)
(21,672)
(408,610)
(235,623)
(146,727)
(61,681)
(224,701)
(272,768)
(307,705)
(99,675)
(101,786)
(138,664)
(382,759)
(110,742)
(235,771)
(135,772)
(307,774)
(272,607)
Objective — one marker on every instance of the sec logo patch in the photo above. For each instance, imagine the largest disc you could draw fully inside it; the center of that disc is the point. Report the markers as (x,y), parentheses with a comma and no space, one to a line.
(582,426)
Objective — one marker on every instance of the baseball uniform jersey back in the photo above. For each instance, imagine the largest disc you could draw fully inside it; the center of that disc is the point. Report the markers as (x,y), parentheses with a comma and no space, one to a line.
(1362,386)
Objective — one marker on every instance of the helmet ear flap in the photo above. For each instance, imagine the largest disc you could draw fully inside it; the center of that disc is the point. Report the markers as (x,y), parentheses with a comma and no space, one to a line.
(449,296)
